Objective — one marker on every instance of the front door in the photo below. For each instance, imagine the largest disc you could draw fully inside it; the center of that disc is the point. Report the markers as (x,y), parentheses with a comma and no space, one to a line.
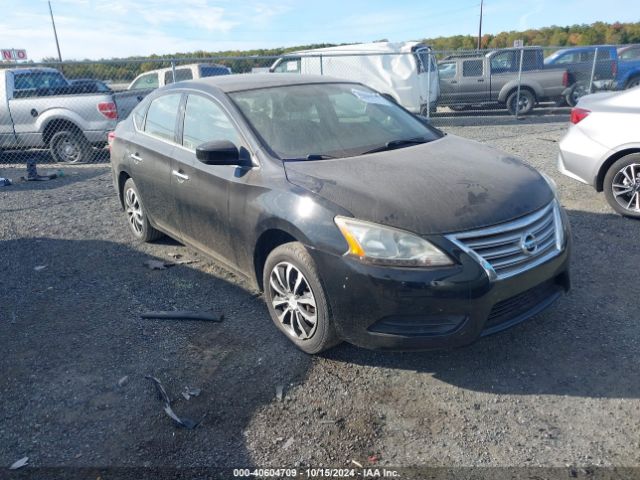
(473,87)
(202,191)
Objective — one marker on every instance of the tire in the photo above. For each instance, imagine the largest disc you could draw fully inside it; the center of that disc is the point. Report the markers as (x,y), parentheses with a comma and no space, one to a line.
(625,198)
(527,102)
(136,214)
(578,90)
(286,263)
(67,146)
(632,82)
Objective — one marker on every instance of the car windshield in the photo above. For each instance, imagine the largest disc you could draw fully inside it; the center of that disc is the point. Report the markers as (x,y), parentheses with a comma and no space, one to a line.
(329,120)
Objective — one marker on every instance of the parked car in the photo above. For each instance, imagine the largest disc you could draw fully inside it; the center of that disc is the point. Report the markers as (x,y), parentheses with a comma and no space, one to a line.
(492,79)
(89,85)
(39,108)
(628,67)
(358,220)
(405,72)
(602,147)
(147,82)
(610,72)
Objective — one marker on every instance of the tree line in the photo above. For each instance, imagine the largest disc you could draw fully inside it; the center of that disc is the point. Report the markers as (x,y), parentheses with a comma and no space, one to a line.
(125,69)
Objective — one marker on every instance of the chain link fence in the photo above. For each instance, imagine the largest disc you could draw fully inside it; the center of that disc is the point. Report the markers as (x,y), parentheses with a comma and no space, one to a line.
(62,112)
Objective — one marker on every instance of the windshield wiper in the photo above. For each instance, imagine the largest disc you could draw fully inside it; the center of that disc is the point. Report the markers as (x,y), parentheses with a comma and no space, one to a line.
(390,145)
(311,156)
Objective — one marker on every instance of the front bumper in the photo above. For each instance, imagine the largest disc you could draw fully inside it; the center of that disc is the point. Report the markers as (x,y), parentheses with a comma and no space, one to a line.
(410,309)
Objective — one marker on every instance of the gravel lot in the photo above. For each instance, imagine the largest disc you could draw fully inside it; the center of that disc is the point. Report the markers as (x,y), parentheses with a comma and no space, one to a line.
(562,389)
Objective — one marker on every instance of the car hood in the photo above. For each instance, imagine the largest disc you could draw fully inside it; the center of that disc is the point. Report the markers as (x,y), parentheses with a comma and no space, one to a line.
(444,186)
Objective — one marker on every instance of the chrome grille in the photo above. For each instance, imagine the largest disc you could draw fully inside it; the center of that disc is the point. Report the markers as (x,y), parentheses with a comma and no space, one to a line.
(514,247)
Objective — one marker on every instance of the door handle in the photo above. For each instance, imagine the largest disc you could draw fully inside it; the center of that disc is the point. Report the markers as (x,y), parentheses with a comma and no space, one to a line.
(454,81)
(180,176)
(480,80)
(135,157)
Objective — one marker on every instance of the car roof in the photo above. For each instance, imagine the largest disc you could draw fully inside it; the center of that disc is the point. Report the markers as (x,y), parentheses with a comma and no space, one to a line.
(252,81)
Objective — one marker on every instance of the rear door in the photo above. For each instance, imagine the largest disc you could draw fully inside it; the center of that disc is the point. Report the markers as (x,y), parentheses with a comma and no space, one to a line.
(473,86)
(449,82)
(151,155)
(202,191)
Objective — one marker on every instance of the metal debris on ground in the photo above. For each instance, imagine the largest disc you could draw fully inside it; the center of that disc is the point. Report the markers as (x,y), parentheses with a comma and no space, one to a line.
(155,264)
(183,315)
(163,396)
(279,392)
(39,268)
(123,381)
(356,463)
(161,265)
(288,443)
(19,464)
(190,392)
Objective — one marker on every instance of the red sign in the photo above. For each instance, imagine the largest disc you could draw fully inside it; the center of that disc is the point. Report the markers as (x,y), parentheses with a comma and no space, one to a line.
(13,54)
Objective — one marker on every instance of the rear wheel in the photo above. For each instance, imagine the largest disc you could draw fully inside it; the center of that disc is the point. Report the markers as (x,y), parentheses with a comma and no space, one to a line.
(67,146)
(522,105)
(622,186)
(137,215)
(296,298)
(633,82)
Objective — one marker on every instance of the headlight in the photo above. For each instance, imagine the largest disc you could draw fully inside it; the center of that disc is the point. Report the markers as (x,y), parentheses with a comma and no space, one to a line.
(381,245)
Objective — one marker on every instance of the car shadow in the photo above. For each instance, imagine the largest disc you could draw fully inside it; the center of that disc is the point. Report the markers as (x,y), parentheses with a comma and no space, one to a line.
(76,353)
(586,345)
(43,157)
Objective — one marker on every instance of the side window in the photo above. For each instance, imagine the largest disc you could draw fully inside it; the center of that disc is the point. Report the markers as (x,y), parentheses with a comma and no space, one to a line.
(181,75)
(447,70)
(503,62)
(529,60)
(630,54)
(472,68)
(149,80)
(205,121)
(288,65)
(138,114)
(161,116)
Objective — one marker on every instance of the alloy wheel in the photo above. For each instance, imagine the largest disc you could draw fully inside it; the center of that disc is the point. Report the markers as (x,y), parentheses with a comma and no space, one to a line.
(293,301)
(134,211)
(626,187)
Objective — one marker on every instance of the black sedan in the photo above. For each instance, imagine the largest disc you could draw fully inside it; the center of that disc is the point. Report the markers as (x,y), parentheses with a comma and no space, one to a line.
(358,220)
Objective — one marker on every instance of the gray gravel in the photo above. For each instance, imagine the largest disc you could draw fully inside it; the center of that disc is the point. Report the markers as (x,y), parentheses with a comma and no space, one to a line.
(561,389)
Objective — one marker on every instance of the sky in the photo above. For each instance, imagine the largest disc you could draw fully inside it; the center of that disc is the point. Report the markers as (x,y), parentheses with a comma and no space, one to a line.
(94,29)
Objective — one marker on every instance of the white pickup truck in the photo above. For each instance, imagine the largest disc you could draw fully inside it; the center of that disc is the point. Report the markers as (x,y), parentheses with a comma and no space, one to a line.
(40,109)
(147,82)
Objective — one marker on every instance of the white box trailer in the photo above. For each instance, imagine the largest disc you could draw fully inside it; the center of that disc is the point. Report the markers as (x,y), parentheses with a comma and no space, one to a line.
(404,71)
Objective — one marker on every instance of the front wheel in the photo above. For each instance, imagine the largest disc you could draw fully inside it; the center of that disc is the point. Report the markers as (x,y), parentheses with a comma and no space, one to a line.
(522,105)
(622,186)
(577,91)
(69,147)
(296,298)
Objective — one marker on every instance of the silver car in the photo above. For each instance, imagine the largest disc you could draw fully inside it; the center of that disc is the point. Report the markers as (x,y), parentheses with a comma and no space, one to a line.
(602,148)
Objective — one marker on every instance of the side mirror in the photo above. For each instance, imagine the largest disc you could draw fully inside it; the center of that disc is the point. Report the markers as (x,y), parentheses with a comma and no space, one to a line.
(219,152)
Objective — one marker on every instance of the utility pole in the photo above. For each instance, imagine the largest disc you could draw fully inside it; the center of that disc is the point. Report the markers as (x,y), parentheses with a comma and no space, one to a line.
(480,27)
(55,34)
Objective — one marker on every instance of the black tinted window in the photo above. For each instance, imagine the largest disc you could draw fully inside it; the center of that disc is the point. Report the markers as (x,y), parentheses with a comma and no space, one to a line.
(161,116)
(472,68)
(204,121)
